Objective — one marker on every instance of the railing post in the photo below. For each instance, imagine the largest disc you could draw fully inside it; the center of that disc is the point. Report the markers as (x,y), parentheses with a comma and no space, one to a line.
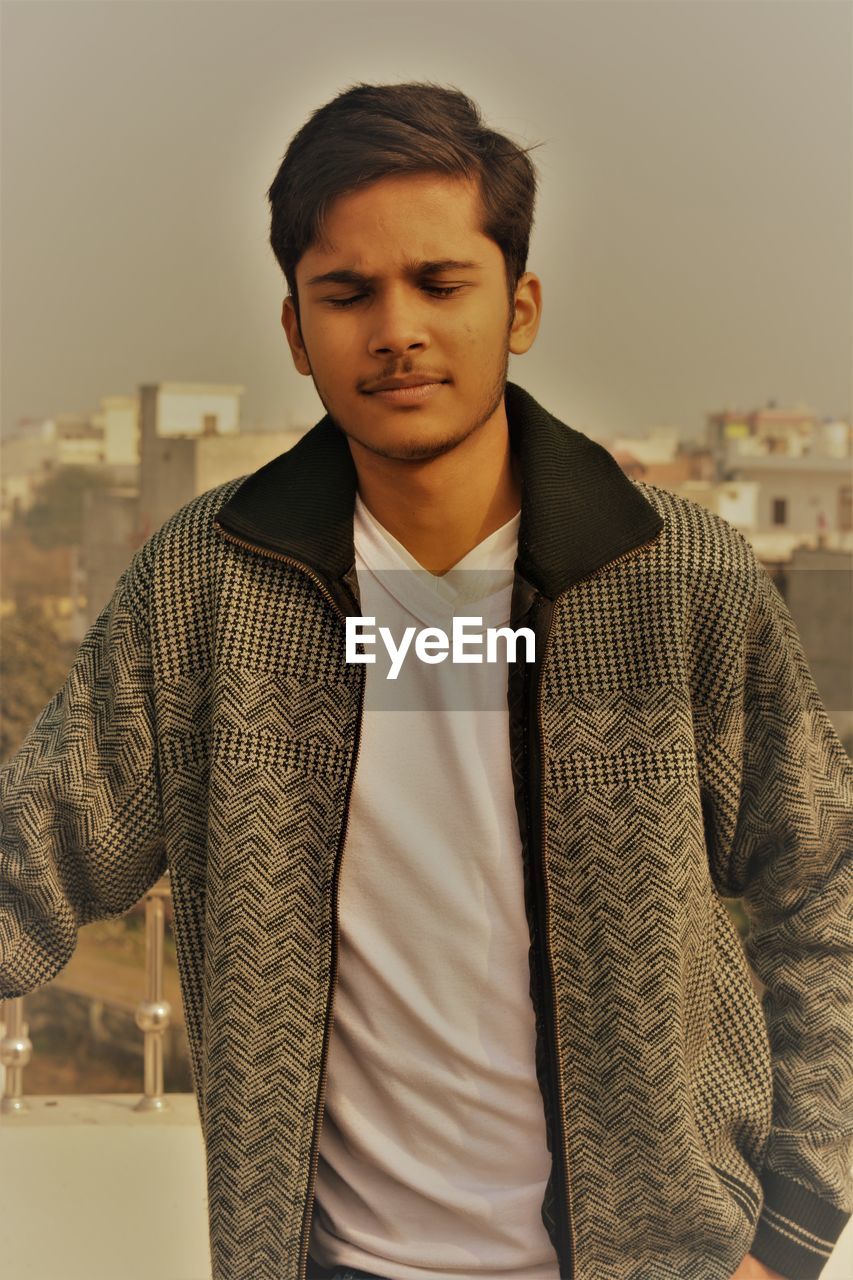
(15,1052)
(154,1013)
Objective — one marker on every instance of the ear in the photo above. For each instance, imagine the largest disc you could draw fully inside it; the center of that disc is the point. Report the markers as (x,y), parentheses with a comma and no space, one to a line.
(294,337)
(528,312)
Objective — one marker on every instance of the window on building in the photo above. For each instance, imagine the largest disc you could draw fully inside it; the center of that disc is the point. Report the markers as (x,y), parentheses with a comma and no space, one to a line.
(780,510)
(845,507)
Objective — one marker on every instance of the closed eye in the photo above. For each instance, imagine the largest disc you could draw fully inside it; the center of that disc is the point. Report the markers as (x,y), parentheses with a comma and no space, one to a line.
(436,290)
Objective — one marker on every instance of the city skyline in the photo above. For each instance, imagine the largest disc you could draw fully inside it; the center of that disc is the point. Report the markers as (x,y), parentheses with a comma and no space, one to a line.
(692,240)
(33,426)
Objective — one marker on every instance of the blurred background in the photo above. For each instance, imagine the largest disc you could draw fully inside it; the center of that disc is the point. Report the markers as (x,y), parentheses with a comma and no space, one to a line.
(693,237)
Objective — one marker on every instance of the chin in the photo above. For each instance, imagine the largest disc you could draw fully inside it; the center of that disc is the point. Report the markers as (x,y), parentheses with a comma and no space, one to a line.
(414,448)
(400,435)
(420,452)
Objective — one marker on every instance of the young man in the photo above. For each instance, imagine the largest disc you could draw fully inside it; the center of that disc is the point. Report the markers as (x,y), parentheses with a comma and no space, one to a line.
(462,997)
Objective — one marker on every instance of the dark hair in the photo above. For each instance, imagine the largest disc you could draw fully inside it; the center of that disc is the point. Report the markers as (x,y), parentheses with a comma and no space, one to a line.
(370,132)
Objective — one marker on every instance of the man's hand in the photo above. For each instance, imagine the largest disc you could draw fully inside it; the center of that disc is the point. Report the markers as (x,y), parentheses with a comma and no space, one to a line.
(752,1269)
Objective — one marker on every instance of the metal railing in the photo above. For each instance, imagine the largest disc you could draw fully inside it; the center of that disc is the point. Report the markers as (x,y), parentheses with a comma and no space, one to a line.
(154,1013)
(153,1016)
(15,1052)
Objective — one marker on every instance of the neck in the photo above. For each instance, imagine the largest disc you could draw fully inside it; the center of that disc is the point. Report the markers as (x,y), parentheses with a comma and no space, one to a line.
(441,508)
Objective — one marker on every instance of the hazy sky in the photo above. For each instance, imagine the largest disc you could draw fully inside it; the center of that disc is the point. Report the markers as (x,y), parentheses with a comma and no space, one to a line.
(693,232)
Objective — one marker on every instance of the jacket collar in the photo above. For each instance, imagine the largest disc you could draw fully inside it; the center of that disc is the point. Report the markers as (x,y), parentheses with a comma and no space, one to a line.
(578,508)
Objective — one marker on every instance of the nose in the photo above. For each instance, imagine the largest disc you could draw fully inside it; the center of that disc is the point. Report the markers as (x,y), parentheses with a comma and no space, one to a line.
(398,324)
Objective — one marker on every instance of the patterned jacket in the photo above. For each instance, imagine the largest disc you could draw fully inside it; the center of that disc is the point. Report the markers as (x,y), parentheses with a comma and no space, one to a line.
(669,748)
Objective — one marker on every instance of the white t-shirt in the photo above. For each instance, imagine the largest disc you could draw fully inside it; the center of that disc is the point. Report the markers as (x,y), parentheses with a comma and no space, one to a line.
(433,1158)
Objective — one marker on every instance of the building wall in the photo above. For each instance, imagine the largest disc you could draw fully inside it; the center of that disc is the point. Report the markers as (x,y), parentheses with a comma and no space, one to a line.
(119,421)
(818,589)
(808,492)
(80,451)
(24,462)
(738,503)
(226,457)
(174,418)
(176,470)
(183,408)
(167,479)
(111,534)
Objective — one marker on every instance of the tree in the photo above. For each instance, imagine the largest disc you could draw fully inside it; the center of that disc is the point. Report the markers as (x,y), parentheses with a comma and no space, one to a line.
(56,516)
(34,662)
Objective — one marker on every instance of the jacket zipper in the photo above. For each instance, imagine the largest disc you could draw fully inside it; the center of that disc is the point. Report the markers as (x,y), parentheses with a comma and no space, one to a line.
(278,555)
(321,1095)
(626,555)
(545,897)
(547,901)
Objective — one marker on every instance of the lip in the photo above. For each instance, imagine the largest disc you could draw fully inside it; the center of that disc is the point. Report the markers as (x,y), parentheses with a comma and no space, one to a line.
(409,395)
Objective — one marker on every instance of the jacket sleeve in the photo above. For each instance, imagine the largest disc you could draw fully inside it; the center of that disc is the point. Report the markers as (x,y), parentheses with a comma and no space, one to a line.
(781,839)
(80,813)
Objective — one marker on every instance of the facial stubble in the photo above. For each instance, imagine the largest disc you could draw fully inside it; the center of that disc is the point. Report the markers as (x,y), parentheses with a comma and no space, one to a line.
(415,451)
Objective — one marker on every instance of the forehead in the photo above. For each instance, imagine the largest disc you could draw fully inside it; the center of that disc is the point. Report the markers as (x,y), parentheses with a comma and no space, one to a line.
(426,216)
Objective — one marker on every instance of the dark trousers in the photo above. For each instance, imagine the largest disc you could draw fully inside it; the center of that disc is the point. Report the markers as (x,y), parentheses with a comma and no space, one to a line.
(353,1273)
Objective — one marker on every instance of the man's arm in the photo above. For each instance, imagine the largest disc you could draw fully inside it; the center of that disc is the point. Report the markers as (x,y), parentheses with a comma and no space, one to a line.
(780,835)
(80,814)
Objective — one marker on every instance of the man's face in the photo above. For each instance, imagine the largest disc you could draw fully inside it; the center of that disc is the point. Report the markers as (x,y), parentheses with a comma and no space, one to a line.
(396,306)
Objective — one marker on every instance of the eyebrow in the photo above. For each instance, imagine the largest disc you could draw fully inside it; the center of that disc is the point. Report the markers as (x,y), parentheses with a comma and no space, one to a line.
(429,267)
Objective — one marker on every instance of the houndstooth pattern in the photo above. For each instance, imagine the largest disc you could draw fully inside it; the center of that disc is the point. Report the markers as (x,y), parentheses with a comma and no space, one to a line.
(208,726)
